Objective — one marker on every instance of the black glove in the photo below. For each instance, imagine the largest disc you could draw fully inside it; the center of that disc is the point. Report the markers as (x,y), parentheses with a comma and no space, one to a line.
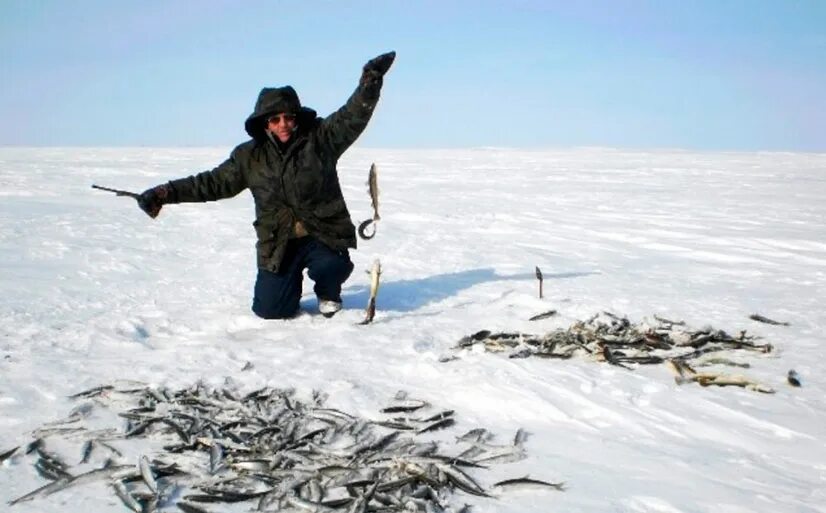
(373,71)
(151,200)
(381,63)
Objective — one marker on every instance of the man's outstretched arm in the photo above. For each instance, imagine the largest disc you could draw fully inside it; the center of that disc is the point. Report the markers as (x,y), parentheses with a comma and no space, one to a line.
(225,181)
(341,129)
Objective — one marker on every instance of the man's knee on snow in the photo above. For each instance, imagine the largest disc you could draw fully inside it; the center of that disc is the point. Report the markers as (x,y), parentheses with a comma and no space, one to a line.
(273,311)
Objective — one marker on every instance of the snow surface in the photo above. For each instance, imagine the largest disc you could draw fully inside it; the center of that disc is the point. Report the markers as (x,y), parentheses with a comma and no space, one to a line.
(93,291)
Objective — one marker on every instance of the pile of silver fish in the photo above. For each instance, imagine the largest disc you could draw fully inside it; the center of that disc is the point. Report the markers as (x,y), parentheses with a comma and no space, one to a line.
(268,449)
(609,338)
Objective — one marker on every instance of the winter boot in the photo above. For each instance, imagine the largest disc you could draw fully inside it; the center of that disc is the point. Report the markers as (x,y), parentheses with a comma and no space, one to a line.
(328,308)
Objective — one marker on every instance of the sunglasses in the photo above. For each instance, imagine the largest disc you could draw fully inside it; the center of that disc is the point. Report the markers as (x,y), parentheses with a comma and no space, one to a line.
(287,118)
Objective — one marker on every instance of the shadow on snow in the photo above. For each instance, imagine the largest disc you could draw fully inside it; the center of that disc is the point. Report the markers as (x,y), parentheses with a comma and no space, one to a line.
(409,295)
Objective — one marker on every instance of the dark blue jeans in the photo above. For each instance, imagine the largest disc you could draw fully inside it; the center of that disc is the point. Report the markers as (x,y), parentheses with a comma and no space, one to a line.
(277,295)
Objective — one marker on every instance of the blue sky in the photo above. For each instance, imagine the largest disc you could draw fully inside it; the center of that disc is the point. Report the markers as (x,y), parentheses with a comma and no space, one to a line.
(715,75)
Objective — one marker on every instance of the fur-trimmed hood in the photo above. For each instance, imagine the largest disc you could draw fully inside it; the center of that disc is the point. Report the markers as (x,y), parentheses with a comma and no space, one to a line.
(275,100)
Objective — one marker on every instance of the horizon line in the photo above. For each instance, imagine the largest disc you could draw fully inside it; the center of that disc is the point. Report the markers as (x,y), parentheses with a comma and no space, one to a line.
(595,147)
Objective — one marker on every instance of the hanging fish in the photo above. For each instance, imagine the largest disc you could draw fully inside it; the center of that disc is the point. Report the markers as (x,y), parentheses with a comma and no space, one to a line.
(375,274)
(373,189)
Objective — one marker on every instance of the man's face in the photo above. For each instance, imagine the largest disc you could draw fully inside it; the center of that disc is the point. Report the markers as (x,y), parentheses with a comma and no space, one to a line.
(282,126)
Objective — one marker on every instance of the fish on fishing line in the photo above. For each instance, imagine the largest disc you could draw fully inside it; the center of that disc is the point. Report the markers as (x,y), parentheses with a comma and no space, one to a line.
(375,274)
(373,189)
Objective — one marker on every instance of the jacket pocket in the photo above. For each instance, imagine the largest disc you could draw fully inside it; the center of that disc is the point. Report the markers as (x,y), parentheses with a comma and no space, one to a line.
(265,245)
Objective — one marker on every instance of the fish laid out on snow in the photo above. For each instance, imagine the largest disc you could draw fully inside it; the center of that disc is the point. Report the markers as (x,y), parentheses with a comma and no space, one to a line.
(543,315)
(277,452)
(404,405)
(527,481)
(686,374)
(373,189)
(615,340)
(766,320)
(793,378)
(7,454)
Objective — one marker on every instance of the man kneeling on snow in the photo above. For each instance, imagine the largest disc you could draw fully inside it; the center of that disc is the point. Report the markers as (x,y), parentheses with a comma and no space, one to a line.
(302,221)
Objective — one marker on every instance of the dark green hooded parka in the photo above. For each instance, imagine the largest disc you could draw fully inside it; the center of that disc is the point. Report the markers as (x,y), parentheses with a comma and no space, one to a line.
(297,183)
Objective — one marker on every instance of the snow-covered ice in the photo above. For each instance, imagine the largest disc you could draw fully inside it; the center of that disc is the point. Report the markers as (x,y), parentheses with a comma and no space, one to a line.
(92,291)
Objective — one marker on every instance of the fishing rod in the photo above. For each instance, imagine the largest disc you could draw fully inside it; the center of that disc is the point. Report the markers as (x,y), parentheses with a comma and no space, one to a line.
(118,192)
